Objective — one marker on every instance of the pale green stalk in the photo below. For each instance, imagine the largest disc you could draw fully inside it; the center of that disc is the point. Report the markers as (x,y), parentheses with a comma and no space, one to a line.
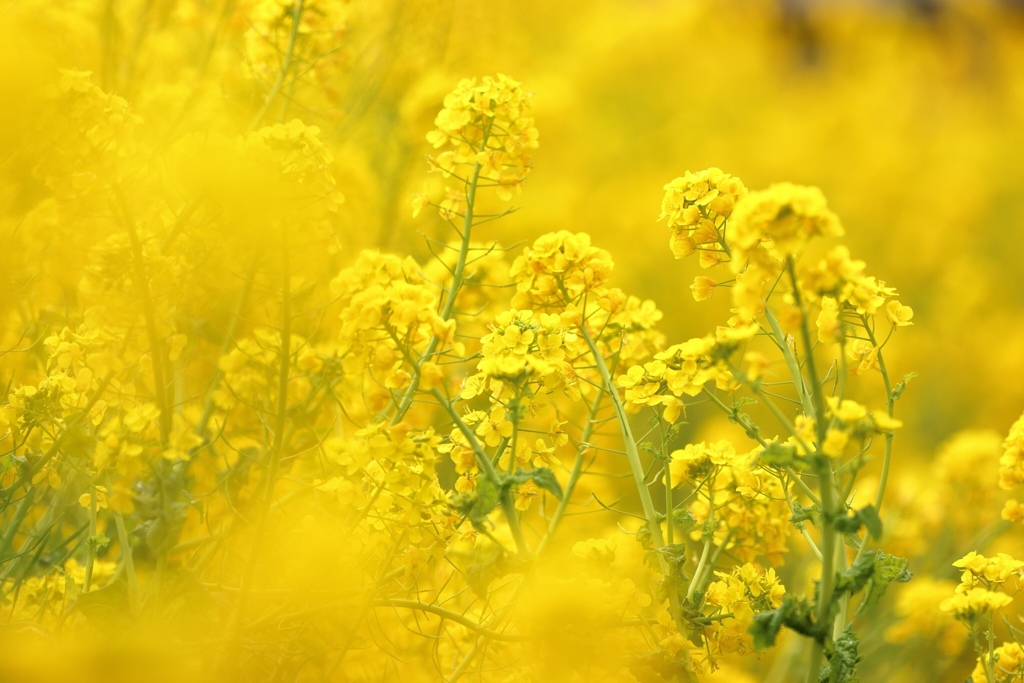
(574,475)
(484,463)
(826,483)
(632,453)
(286,64)
(448,308)
(791,362)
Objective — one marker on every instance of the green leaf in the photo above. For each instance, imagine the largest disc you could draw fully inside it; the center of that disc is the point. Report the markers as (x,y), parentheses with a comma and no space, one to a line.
(897,391)
(887,569)
(872,522)
(477,504)
(542,477)
(683,519)
(674,553)
(766,627)
(804,514)
(867,517)
(643,536)
(857,575)
(780,455)
(843,658)
(873,571)
(794,614)
(848,524)
(488,495)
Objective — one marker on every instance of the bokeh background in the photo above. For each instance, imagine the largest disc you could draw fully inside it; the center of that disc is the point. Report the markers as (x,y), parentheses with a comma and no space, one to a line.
(909,115)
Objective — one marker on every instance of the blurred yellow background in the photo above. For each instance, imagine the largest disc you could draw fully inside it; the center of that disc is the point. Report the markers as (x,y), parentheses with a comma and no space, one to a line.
(908,115)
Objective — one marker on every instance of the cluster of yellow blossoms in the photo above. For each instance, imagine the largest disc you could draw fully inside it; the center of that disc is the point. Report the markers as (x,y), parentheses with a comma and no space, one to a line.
(415,442)
(980,595)
(305,36)
(488,129)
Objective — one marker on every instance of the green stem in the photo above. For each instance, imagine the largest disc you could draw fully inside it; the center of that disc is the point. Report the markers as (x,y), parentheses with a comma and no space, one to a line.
(708,542)
(828,555)
(574,475)
(791,362)
(826,483)
(90,545)
(156,346)
(448,308)
(129,563)
(485,466)
(637,469)
(632,452)
(276,452)
(286,64)
(818,401)
(890,405)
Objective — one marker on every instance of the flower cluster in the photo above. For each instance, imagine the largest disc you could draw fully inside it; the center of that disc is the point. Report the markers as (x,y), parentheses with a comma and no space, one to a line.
(979,591)
(488,133)
(684,370)
(1011,462)
(737,596)
(1007,664)
(94,134)
(389,317)
(296,165)
(523,348)
(851,428)
(558,270)
(695,208)
(283,34)
(741,500)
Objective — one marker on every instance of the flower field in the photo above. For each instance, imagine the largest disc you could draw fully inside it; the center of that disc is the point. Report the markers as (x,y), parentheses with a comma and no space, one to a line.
(416,340)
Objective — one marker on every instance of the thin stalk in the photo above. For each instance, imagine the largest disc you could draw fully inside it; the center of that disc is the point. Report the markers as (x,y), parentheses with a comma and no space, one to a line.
(276,449)
(448,308)
(129,563)
(669,505)
(286,65)
(708,542)
(484,463)
(818,401)
(751,430)
(450,616)
(828,555)
(149,314)
(632,453)
(90,544)
(19,517)
(890,405)
(574,475)
(826,483)
(209,404)
(791,362)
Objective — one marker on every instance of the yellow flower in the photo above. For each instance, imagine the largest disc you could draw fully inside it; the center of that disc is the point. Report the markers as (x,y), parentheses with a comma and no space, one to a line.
(488,127)
(974,603)
(780,221)
(100,493)
(703,288)
(898,314)
(1008,667)
(1011,462)
(1013,511)
(828,321)
(835,443)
